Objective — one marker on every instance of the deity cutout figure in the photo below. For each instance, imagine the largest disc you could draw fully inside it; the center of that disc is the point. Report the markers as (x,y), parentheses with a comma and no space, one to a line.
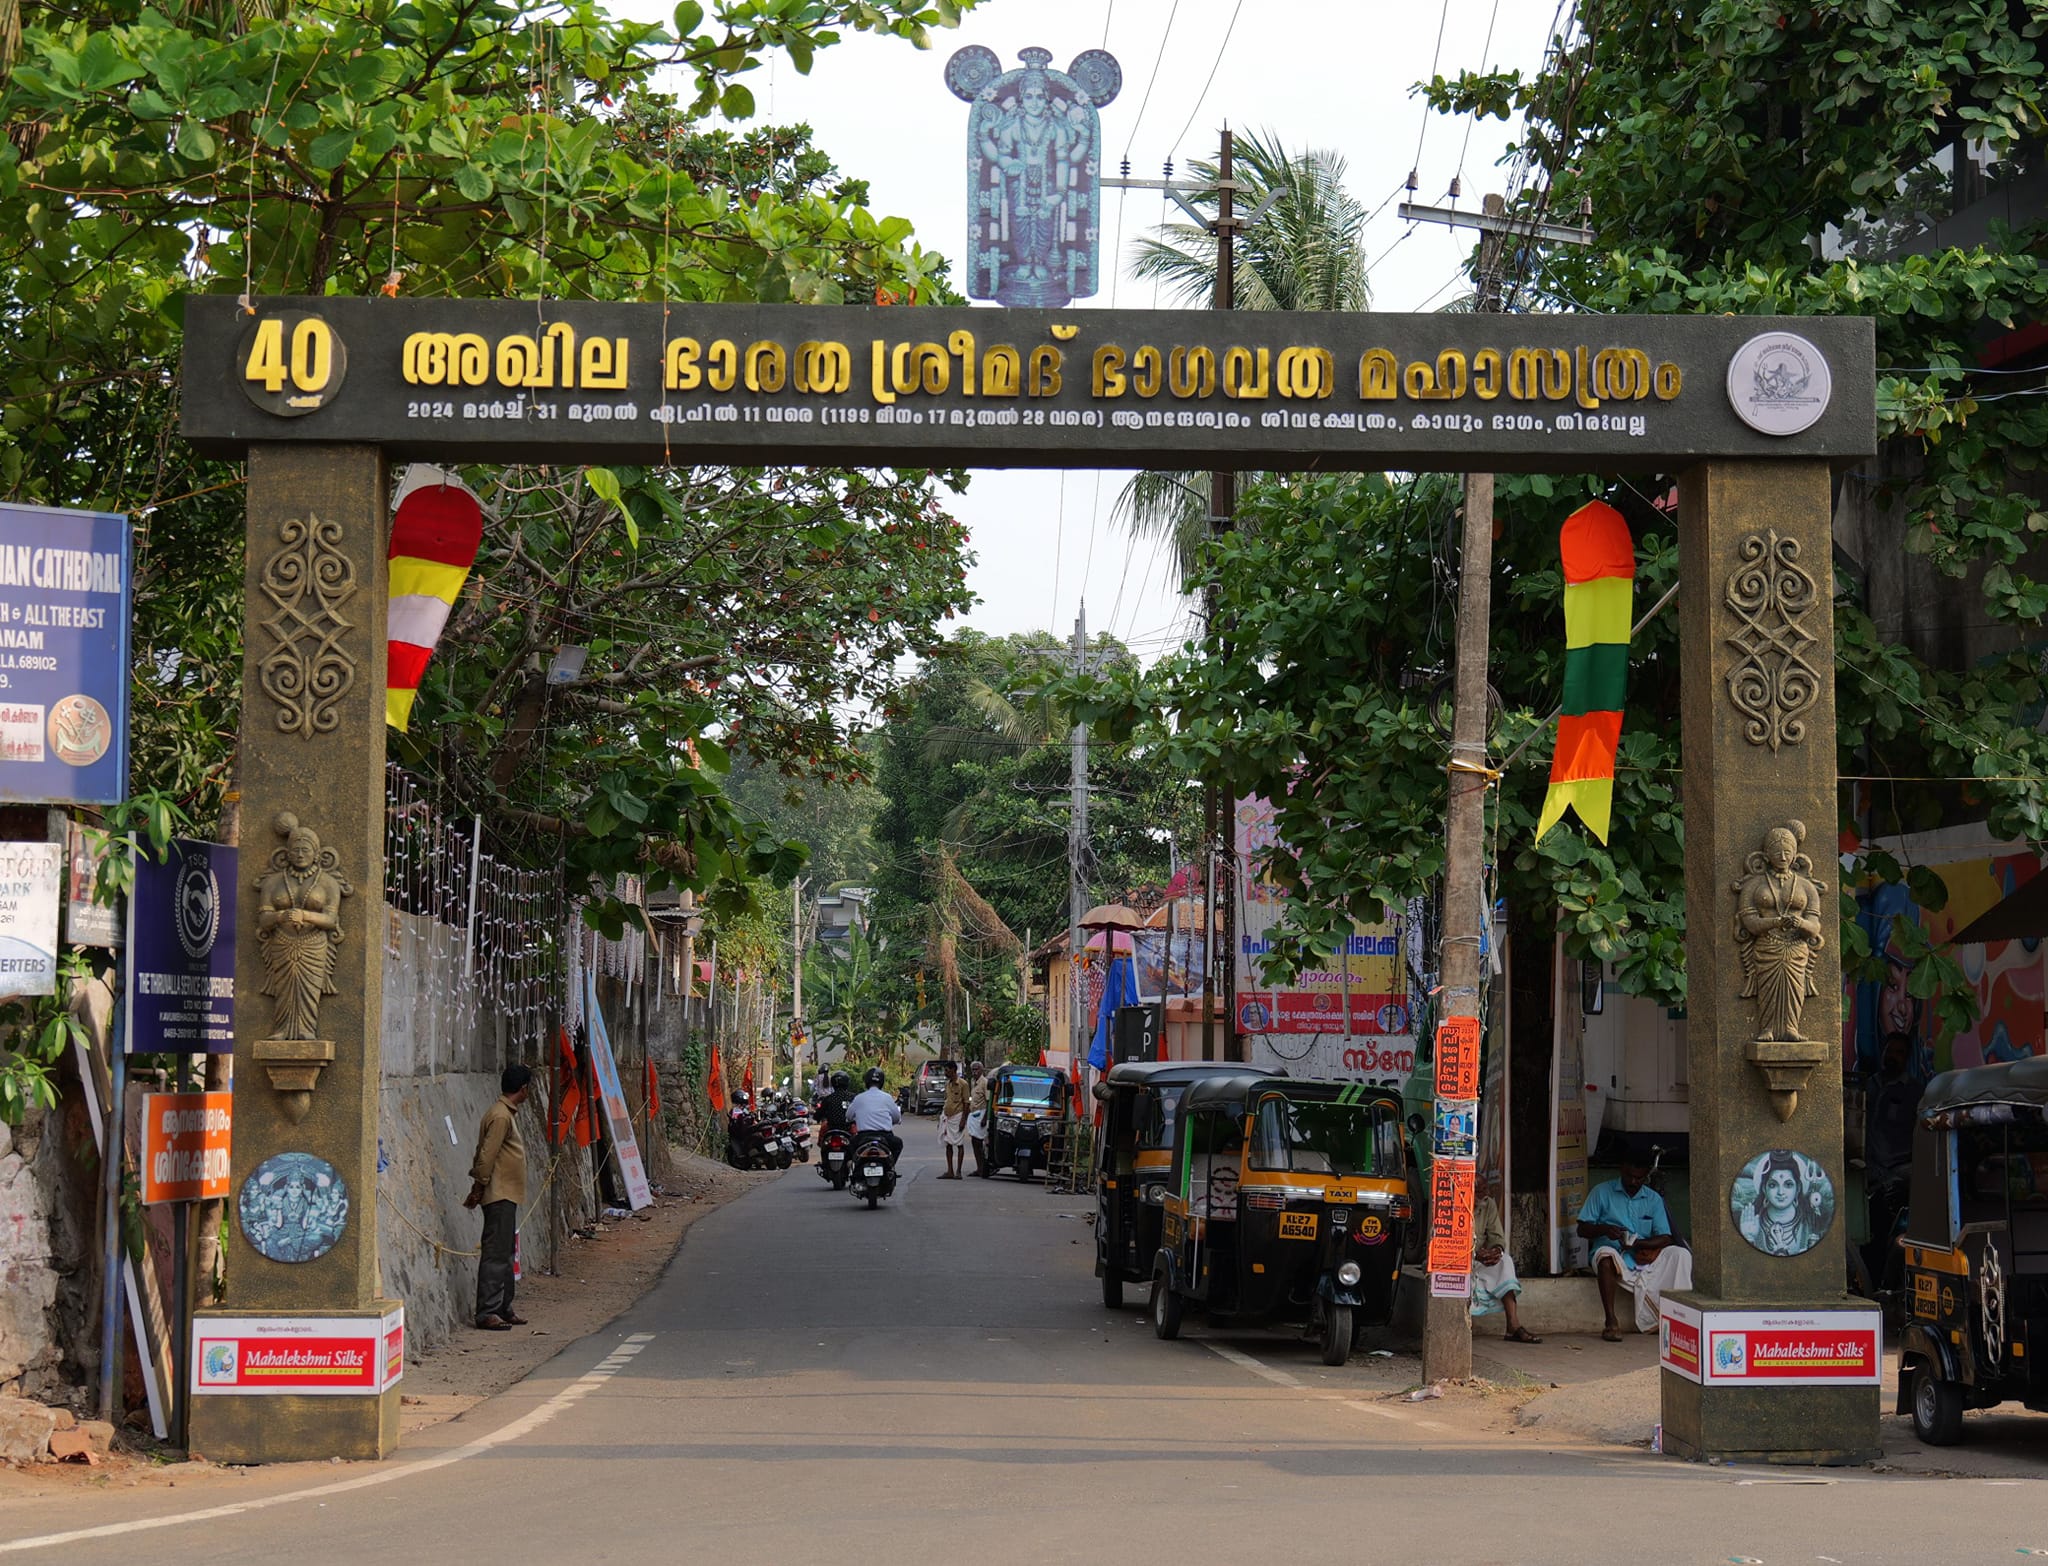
(1783,1202)
(1034,143)
(298,925)
(1778,931)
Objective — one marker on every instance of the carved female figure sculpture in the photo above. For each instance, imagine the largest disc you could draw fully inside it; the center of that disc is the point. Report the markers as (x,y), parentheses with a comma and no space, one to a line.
(298,925)
(1778,931)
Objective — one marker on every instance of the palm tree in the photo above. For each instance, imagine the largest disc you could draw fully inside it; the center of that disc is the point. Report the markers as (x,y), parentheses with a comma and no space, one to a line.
(1307,252)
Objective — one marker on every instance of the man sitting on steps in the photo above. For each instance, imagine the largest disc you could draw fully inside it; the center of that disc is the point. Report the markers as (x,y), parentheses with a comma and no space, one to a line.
(1633,1246)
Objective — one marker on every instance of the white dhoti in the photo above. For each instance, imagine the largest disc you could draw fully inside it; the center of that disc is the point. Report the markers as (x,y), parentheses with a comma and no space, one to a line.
(952,1133)
(1670,1269)
(1491,1283)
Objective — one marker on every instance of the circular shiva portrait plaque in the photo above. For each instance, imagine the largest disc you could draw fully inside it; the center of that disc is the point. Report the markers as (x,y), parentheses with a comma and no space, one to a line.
(294,1207)
(1783,1202)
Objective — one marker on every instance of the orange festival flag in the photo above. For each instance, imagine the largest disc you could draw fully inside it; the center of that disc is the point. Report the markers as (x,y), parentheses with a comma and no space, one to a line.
(714,1083)
(1599,560)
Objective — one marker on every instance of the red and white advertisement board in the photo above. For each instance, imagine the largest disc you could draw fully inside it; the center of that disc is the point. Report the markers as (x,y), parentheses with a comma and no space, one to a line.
(321,1356)
(1717,1348)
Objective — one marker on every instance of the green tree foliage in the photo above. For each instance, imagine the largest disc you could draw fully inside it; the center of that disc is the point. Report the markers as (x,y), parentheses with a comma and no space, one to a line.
(486,148)
(1715,154)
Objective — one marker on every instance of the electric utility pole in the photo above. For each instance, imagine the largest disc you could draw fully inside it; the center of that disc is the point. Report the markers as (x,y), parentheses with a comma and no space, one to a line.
(1077,862)
(796,981)
(1219,816)
(1447,1333)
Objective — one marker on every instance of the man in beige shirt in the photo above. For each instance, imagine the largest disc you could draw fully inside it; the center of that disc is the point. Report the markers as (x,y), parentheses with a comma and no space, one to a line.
(953,1123)
(977,1117)
(498,1185)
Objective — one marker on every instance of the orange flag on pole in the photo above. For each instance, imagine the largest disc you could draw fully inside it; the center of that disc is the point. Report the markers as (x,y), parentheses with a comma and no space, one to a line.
(715,1082)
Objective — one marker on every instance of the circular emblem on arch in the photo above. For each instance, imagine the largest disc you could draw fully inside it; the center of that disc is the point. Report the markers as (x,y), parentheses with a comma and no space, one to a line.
(1779,383)
(1782,1202)
(294,1207)
(972,69)
(1096,73)
(290,363)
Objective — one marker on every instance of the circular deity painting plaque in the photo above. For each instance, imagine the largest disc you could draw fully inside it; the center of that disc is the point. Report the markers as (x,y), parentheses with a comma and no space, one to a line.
(294,1207)
(1783,1202)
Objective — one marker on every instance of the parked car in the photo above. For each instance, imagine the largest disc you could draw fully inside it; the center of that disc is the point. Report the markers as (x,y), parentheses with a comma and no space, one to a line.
(929,1096)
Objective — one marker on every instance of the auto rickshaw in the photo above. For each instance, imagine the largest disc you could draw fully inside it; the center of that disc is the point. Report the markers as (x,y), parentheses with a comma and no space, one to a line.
(1287,1203)
(1976,1245)
(1027,1110)
(1134,1159)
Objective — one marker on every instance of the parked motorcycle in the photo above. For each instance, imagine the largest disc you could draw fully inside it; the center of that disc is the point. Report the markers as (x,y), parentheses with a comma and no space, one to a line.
(748,1144)
(872,1168)
(835,1148)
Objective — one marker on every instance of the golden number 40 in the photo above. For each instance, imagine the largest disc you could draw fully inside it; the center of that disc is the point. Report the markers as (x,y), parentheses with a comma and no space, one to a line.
(310,364)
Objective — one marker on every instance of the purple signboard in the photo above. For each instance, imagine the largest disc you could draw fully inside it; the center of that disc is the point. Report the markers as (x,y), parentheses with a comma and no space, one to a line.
(181,947)
(64,611)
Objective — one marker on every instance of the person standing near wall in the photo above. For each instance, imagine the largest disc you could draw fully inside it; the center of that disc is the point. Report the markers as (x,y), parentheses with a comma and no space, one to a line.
(498,1185)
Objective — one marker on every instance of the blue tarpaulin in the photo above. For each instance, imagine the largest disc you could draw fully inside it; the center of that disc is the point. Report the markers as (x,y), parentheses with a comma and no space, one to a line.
(1119,988)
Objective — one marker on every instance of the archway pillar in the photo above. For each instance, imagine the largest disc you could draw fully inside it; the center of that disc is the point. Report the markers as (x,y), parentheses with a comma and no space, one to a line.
(306,1085)
(1753,1355)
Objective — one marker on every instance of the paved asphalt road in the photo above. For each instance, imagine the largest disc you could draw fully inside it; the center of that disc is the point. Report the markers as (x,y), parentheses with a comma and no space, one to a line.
(937,1381)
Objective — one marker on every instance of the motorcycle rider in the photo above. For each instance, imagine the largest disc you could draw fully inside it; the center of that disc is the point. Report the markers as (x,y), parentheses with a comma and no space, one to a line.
(876,1109)
(835,1104)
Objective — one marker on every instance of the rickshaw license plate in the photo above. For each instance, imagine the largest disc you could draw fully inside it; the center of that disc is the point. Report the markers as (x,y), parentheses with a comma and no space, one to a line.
(1297,1226)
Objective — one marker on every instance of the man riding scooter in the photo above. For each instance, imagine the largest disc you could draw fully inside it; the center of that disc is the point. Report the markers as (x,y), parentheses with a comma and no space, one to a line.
(876,1110)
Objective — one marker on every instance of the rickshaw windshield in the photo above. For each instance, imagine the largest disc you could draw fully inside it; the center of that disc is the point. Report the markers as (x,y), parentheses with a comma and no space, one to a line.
(1028,1092)
(1331,1139)
(1155,1117)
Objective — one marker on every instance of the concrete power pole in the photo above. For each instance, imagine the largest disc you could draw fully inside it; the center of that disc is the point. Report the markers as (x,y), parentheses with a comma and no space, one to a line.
(796,981)
(1447,1336)
(1219,815)
(1077,861)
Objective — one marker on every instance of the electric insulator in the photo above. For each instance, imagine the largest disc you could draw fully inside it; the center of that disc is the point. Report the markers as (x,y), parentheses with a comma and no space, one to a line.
(1127,168)
(1457,187)
(1414,182)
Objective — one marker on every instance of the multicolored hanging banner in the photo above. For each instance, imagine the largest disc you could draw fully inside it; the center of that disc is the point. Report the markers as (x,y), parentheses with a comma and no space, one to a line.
(1599,607)
(436,526)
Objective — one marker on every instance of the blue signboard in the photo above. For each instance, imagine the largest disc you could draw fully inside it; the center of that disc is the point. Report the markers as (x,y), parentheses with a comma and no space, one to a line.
(64,613)
(181,948)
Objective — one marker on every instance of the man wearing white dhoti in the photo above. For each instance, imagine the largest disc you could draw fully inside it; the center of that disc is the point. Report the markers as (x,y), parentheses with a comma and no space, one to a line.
(1494,1283)
(1633,1246)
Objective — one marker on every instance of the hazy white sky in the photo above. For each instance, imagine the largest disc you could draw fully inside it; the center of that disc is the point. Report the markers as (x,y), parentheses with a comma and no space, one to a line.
(1332,74)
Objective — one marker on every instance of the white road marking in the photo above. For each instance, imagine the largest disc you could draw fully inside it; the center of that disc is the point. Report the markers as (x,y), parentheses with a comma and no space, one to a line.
(524,1425)
(1373,1408)
(1244,1361)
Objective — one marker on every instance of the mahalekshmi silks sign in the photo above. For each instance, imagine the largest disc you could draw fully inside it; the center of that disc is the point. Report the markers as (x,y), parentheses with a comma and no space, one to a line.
(562,381)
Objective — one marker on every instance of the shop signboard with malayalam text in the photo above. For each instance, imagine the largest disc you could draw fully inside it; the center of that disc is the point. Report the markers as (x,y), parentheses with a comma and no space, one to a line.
(186,1139)
(303,1356)
(1831,1348)
(1350,1020)
(64,616)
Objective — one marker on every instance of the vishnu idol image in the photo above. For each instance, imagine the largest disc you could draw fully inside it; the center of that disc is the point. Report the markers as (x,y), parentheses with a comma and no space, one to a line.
(1034,167)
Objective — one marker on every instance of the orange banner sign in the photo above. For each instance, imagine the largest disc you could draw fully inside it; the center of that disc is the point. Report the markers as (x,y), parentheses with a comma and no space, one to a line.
(1457,1057)
(185,1140)
(1450,1215)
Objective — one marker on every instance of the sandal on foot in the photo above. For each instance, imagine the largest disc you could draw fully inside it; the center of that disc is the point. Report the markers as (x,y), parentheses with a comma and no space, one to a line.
(1610,1334)
(1522,1335)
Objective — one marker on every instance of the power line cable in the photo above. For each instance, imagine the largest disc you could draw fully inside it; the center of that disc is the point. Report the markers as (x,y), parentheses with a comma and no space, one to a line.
(1422,131)
(1210,81)
(1164,36)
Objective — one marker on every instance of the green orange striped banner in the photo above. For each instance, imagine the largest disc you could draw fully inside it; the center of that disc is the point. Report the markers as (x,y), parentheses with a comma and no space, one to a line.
(1599,605)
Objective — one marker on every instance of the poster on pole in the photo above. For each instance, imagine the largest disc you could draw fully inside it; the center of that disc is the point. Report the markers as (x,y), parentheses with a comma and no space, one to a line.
(87,922)
(30,874)
(181,945)
(1450,1216)
(618,1114)
(64,614)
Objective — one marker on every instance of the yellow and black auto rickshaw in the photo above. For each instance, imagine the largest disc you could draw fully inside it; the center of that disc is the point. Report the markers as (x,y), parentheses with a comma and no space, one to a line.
(1976,1246)
(1134,1160)
(1027,1112)
(1287,1203)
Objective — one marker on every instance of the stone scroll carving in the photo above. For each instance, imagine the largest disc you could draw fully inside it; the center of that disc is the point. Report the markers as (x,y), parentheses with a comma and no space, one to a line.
(298,926)
(1772,682)
(1779,908)
(308,670)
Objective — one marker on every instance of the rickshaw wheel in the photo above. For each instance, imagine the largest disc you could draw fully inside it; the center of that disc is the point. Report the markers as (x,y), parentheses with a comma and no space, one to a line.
(1166,1310)
(1336,1334)
(1937,1408)
(1112,1291)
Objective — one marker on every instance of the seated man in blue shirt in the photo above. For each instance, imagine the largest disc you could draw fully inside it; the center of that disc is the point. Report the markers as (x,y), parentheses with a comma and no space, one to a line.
(1633,1246)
